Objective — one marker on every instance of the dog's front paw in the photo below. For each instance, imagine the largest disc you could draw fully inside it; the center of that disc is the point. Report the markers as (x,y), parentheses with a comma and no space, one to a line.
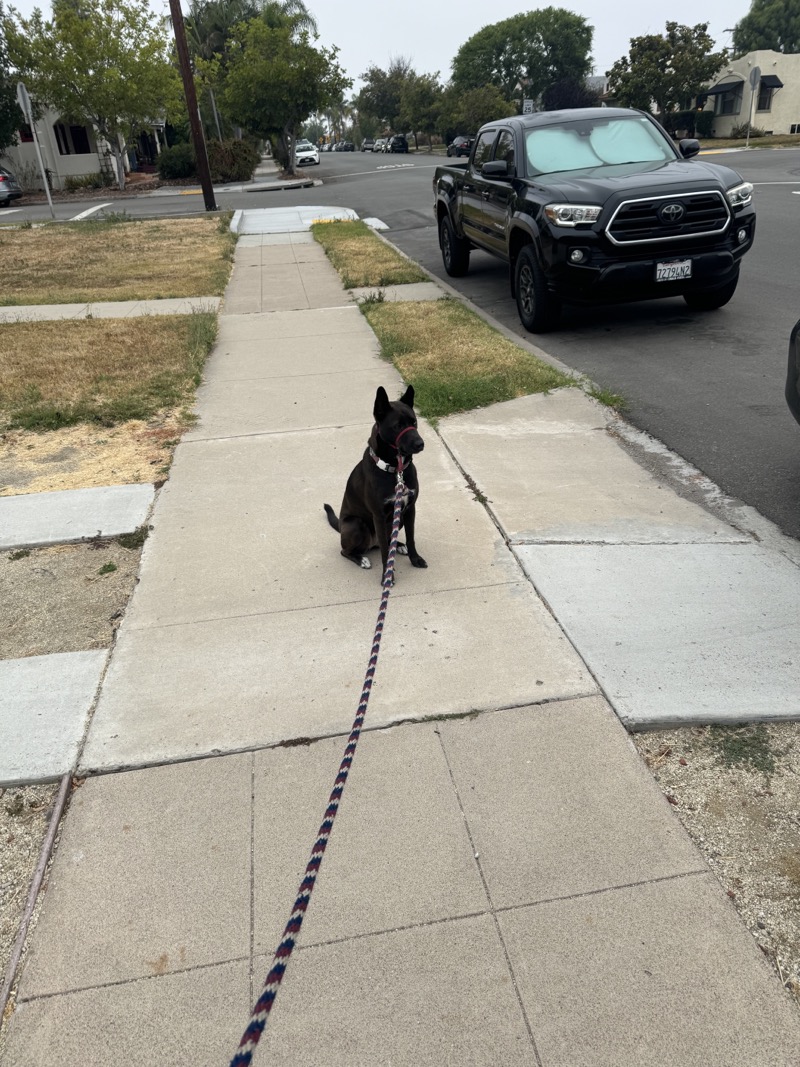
(401,549)
(418,561)
(365,563)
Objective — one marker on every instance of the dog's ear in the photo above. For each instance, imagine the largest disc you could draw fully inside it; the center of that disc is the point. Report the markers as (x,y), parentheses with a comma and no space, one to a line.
(382,405)
(408,397)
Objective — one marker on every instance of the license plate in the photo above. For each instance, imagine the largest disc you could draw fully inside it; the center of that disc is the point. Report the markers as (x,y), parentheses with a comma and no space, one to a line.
(673,270)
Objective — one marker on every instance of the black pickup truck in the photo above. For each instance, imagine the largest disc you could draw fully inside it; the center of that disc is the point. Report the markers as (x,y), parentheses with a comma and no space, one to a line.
(594,205)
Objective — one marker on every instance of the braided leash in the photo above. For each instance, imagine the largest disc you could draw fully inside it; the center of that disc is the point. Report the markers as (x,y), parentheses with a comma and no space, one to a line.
(263,1007)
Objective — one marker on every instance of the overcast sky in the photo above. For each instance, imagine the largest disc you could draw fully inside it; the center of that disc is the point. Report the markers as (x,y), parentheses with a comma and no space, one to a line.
(429,33)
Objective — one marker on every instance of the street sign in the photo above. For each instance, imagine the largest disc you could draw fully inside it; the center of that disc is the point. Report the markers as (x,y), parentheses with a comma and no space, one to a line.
(24,102)
(755,77)
(527,107)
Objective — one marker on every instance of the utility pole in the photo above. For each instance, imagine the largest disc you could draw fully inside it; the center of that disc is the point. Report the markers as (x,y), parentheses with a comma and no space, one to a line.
(198,139)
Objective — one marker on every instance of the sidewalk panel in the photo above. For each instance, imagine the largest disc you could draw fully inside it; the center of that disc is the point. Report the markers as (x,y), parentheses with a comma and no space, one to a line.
(662,974)
(244,360)
(558,802)
(178,691)
(275,405)
(552,473)
(433,996)
(399,852)
(151,876)
(271,326)
(679,633)
(72,514)
(44,706)
(196,1017)
(264,495)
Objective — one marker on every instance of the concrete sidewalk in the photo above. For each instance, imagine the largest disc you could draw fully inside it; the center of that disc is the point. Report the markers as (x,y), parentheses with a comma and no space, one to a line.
(505,883)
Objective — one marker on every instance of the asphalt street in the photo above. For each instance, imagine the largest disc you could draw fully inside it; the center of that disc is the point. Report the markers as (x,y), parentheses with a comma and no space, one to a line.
(709,385)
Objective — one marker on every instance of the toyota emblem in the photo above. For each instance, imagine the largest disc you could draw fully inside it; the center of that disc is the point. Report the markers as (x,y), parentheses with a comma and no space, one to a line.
(671,213)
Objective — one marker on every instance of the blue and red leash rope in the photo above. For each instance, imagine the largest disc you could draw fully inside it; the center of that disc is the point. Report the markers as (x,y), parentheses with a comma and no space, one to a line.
(264,1004)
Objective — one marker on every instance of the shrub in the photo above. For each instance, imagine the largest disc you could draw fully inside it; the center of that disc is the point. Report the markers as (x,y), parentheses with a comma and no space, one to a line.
(740,132)
(177,162)
(74,182)
(232,161)
(703,123)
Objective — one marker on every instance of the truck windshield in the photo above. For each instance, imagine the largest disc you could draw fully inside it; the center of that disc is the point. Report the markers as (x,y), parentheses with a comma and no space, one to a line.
(590,144)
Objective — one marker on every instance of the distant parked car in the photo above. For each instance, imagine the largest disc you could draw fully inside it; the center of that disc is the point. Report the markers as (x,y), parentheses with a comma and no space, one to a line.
(368,144)
(306,154)
(380,144)
(793,373)
(460,146)
(348,146)
(9,187)
(398,143)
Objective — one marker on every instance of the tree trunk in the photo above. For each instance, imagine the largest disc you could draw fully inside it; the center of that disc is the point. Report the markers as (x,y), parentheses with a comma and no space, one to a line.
(118,158)
(216,114)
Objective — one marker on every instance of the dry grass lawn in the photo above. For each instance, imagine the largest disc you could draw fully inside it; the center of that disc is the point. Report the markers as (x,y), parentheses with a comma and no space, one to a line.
(454,359)
(89,262)
(104,371)
(362,258)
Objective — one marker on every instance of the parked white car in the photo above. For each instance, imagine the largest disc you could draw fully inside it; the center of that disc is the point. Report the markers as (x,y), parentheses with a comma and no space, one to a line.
(305,153)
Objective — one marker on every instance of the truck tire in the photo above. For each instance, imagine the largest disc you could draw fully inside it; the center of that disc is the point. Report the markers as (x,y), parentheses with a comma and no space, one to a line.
(711,299)
(538,309)
(455,249)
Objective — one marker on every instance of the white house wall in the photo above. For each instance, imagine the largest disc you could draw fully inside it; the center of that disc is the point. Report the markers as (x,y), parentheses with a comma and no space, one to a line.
(22,157)
(784,111)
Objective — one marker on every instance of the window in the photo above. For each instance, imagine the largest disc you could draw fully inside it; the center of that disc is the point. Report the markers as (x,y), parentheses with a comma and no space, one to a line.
(505,148)
(25,134)
(730,102)
(72,140)
(483,149)
(766,89)
(587,144)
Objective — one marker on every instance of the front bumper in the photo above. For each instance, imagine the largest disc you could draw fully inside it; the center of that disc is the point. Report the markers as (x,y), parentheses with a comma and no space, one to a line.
(613,273)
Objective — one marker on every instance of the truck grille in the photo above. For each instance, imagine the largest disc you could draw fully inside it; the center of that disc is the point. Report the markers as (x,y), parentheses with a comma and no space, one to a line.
(669,218)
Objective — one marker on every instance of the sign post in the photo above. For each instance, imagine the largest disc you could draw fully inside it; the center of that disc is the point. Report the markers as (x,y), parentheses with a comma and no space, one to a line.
(24,102)
(755,78)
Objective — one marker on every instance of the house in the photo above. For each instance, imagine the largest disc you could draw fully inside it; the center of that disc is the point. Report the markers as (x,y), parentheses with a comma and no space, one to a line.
(71,151)
(773,105)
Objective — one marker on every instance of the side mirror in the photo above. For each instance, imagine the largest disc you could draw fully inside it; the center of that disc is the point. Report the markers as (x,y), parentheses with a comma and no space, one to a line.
(498,168)
(689,147)
(793,373)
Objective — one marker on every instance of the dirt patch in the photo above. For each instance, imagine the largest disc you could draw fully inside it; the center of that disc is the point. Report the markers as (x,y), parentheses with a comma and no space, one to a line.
(64,598)
(24,818)
(84,456)
(737,792)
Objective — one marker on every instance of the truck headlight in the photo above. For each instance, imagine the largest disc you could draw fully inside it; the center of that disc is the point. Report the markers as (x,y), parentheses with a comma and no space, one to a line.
(740,194)
(572,214)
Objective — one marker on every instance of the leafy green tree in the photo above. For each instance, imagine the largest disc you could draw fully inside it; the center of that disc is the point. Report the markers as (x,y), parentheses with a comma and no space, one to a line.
(101,62)
(524,54)
(771,24)
(668,69)
(382,92)
(420,104)
(276,80)
(10,114)
(465,113)
(567,94)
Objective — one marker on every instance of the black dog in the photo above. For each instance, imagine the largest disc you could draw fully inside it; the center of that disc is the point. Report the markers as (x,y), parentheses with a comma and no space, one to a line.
(367,509)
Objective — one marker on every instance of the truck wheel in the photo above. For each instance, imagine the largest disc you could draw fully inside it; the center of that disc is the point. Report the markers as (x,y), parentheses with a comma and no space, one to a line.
(455,249)
(538,309)
(711,299)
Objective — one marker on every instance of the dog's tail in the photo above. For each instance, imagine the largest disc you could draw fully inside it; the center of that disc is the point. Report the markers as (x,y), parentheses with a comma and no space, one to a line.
(332,519)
